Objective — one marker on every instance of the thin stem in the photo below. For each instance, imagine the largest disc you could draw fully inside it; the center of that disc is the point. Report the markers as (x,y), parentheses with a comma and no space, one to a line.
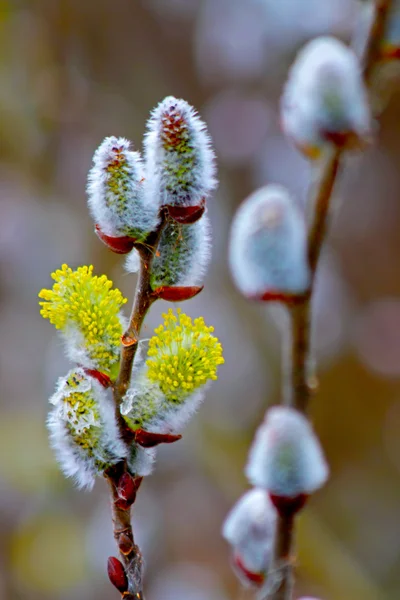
(130,554)
(296,377)
(283,564)
(298,386)
(141,304)
(319,200)
(372,49)
(300,377)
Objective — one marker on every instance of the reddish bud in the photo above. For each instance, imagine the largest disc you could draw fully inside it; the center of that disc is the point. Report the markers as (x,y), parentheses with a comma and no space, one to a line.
(120,245)
(390,52)
(345,139)
(128,486)
(125,544)
(123,504)
(256,578)
(117,575)
(287,507)
(177,293)
(102,378)
(276,296)
(185,215)
(146,439)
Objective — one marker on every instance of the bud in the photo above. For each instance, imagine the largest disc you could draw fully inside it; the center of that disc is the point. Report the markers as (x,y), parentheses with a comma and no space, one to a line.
(176,293)
(125,544)
(179,160)
(325,99)
(286,458)
(148,439)
(87,312)
(268,246)
(182,257)
(116,193)
(82,426)
(128,487)
(117,575)
(187,214)
(167,389)
(250,529)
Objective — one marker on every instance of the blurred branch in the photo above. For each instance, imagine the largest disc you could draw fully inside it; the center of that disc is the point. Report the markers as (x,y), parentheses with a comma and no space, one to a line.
(298,390)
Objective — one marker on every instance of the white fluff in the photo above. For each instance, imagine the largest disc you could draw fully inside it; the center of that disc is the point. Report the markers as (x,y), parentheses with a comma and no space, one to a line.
(286,457)
(141,460)
(132,261)
(250,529)
(183,173)
(268,244)
(325,95)
(65,424)
(117,198)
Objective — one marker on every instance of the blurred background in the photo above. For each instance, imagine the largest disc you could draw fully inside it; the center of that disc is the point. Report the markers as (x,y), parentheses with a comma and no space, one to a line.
(75,71)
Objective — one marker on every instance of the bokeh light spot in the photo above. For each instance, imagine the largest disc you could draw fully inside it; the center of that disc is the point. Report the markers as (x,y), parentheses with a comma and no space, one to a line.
(377,337)
(47,553)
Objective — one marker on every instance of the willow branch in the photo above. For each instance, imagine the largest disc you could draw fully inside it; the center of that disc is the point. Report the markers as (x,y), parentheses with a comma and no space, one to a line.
(298,388)
(130,554)
(141,304)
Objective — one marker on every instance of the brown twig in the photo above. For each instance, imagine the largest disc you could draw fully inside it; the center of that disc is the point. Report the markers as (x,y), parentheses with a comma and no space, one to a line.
(141,304)
(298,388)
(130,554)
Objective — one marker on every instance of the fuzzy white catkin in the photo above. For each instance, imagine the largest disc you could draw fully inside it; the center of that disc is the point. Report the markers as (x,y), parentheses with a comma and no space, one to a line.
(268,245)
(116,192)
(325,97)
(286,458)
(85,443)
(180,163)
(391,39)
(250,529)
(183,255)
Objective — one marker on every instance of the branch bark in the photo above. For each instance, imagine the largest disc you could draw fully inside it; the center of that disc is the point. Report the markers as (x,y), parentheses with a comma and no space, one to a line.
(130,554)
(298,387)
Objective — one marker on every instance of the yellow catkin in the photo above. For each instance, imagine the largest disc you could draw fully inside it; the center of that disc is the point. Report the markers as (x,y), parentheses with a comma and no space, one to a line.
(183,355)
(87,303)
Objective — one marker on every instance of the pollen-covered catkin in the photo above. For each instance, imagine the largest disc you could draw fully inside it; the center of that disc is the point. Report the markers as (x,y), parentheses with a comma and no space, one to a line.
(166,389)
(268,246)
(116,191)
(286,458)
(325,99)
(250,530)
(87,312)
(82,427)
(179,160)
